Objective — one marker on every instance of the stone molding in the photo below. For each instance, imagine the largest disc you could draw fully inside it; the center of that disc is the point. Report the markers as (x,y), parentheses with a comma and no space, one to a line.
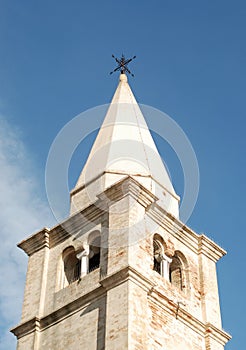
(212,332)
(206,330)
(82,187)
(86,218)
(59,233)
(26,328)
(108,282)
(207,247)
(124,187)
(127,273)
(199,244)
(35,242)
(39,324)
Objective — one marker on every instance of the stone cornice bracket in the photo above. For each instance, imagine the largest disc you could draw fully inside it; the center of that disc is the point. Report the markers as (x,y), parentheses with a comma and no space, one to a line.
(219,335)
(28,327)
(35,242)
(125,187)
(210,249)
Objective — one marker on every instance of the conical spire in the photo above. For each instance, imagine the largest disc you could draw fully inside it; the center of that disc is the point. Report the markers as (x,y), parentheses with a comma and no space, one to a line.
(124,146)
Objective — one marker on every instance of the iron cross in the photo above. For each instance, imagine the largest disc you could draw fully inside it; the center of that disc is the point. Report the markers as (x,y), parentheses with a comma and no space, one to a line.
(122,65)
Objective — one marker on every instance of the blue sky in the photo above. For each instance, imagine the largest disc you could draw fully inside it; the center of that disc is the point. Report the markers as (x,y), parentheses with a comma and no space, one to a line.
(191,63)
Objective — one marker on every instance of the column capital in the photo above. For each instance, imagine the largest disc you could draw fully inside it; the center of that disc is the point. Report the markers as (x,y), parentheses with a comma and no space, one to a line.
(163,256)
(84,252)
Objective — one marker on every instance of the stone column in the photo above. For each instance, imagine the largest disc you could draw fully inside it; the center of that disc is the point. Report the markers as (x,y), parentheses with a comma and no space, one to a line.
(84,258)
(165,263)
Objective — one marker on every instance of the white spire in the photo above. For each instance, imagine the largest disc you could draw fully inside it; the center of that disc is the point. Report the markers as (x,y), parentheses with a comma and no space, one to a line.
(124,146)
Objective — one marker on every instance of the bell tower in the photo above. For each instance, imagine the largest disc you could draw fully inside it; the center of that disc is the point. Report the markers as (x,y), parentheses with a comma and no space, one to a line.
(122,271)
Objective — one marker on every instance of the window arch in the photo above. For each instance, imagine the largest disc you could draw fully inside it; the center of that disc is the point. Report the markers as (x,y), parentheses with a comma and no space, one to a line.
(94,251)
(173,268)
(161,260)
(71,266)
(178,271)
(158,252)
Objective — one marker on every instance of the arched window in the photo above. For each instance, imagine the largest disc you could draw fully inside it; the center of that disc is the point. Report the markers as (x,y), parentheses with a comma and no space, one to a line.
(161,260)
(71,266)
(176,273)
(158,251)
(94,252)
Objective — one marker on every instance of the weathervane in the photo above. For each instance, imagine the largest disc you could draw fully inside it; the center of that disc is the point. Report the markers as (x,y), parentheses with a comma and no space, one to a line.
(122,65)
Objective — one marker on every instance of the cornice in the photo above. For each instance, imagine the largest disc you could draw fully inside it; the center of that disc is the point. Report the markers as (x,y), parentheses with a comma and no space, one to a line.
(172,307)
(127,186)
(39,324)
(121,173)
(59,233)
(106,283)
(199,244)
(26,328)
(74,225)
(35,242)
(125,274)
(210,249)
(217,334)
(85,219)
(206,330)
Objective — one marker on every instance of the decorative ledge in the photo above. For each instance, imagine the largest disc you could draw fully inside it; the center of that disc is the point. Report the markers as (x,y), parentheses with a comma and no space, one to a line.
(127,273)
(204,329)
(216,334)
(26,328)
(35,242)
(200,244)
(124,187)
(71,226)
(207,247)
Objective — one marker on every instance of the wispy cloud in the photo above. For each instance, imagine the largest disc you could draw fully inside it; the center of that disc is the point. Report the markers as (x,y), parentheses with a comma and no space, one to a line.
(22,212)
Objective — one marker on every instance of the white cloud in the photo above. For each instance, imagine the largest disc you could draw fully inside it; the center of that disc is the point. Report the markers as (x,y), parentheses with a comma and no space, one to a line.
(22,212)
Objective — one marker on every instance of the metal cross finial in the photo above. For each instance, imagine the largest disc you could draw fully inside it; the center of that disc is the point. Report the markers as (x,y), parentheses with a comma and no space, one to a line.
(122,65)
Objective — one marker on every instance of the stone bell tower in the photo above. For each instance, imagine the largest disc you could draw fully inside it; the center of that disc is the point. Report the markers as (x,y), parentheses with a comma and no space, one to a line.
(122,272)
